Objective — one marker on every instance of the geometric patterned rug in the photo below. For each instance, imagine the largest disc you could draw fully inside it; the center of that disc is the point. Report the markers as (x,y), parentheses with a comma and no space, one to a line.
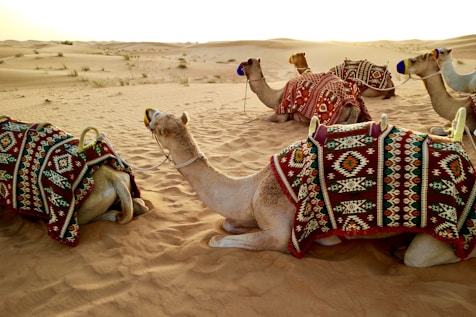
(323,95)
(366,72)
(42,175)
(350,180)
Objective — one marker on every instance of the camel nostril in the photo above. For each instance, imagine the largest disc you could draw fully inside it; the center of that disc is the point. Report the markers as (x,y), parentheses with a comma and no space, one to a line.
(402,67)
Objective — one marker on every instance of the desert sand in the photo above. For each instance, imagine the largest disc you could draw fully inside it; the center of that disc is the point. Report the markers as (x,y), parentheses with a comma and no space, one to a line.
(160,263)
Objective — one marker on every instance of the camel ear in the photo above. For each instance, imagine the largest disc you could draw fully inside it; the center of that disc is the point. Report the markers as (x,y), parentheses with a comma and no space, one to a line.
(184,118)
(449,50)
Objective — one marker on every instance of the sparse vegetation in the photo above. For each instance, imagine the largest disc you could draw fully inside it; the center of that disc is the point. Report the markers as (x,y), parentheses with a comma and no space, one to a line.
(85,68)
(184,81)
(18,54)
(98,83)
(73,73)
(67,43)
(2,61)
(144,75)
(35,51)
(60,54)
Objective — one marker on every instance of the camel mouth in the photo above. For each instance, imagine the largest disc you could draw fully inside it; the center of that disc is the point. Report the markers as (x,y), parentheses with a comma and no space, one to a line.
(402,67)
(241,69)
(148,116)
(291,59)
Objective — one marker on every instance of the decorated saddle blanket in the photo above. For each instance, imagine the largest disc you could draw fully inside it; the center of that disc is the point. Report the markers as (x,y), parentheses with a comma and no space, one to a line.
(323,95)
(365,72)
(42,174)
(354,180)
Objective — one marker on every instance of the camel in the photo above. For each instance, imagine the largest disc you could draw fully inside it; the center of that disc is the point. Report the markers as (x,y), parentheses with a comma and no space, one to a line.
(259,210)
(65,182)
(368,76)
(324,95)
(426,67)
(459,82)
(300,62)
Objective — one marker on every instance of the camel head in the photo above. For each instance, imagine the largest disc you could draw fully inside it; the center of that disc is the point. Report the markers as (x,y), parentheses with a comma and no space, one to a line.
(299,61)
(163,124)
(251,68)
(442,54)
(422,65)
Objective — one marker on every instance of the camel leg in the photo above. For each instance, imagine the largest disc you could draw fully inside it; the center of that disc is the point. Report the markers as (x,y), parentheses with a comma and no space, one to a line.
(139,206)
(279,118)
(256,241)
(349,114)
(353,115)
(426,251)
(389,94)
(109,185)
(233,226)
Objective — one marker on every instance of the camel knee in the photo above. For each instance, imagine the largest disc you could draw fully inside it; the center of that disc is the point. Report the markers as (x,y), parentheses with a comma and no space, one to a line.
(139,206)
(425,251)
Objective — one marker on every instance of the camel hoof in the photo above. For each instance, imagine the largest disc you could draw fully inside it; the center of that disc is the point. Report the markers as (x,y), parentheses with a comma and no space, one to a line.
(438,131)
(140,207)
(215,241)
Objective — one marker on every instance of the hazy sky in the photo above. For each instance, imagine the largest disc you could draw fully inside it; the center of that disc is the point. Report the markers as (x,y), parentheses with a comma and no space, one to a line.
(206,20)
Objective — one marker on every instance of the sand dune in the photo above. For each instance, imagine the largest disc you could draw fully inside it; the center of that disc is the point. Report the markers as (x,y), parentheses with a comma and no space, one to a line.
(160,263)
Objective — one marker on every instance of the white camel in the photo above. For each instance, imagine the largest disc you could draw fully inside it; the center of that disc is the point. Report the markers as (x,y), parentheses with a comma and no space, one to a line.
(426,67)
(344,100)
(256,209)
(459,82)
(53,157)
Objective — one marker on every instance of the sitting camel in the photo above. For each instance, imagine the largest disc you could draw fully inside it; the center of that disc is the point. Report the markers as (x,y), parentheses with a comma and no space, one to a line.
(63,180)
(324,95)
(300,62)
(459,82)
(430,195)
(372,80)
(426,67)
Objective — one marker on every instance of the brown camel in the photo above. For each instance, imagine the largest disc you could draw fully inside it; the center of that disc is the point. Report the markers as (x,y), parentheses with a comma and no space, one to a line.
(300,62)
(62,180)
(372,80)
(426,67)
(260,210)
(330,98)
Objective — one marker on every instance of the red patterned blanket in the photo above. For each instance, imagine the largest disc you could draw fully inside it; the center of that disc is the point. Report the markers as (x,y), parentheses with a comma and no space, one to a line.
(42,175)
(350,180)
(322,95)
(373,75)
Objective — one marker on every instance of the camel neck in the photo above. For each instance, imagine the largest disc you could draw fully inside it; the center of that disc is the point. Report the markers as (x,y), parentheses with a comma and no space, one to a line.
(190,161)
(441,100)
(270,97)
